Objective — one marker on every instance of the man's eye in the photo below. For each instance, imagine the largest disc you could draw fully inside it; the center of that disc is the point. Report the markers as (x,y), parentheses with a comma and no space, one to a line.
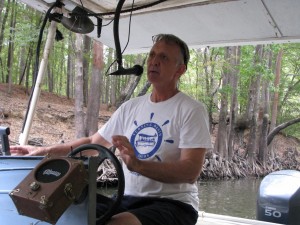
(151,55)
(163,57)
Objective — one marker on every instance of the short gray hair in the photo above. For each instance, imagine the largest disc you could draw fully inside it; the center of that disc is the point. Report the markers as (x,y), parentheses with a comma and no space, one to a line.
(170,38)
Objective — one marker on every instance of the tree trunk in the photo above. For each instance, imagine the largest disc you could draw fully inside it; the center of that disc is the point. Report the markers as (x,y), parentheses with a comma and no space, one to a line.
(262,153)
(1,8)
(264,112)
(93,106)
(276,87)
(279,128)
(59,83)
(11,46)
(276,96)
(253,106)
(86,62)
(1,64)
(22,63)
(27,73)
(25,66)
(107,88)
(235,62)
(211,85)
(113,90)
(70,69)
(205,64)
(221,145)
(106,97)
(145,88)
(3,25)
(79,113)
(3,22)
(127,92)
(50,79)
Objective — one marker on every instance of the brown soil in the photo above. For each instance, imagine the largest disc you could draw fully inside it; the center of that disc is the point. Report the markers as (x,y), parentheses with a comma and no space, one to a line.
(53,121)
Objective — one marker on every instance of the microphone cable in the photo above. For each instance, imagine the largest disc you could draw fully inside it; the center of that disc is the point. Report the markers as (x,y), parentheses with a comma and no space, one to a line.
(118,48)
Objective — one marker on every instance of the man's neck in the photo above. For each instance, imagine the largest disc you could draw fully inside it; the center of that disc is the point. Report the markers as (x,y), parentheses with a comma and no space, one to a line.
(162,95)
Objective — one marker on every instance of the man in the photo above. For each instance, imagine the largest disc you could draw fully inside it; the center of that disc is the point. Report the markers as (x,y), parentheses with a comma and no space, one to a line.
(162,138)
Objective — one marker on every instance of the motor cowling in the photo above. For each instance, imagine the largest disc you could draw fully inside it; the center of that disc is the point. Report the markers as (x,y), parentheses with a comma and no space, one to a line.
(278,199)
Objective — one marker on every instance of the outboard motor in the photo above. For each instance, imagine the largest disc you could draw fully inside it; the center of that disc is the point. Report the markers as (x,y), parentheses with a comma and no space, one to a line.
(278,198)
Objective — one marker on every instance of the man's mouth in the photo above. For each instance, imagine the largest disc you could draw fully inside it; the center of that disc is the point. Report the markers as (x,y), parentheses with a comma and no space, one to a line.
(153,72)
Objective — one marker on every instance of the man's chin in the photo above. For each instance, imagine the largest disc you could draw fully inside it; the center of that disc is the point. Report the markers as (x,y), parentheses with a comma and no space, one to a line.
(152,77)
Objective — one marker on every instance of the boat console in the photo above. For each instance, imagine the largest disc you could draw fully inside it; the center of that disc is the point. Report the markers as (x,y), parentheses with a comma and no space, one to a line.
(56,190)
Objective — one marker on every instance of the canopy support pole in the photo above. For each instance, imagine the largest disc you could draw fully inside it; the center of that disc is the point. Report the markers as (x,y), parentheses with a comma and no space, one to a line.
(23,138)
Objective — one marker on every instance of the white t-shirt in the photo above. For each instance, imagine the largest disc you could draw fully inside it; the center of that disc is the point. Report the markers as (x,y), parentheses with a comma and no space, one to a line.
(158,131)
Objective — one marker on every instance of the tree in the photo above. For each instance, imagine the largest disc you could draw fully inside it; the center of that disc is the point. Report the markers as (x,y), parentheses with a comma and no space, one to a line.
(276,95)
(252,111)
(3,26)
(145,88)
(212,82)
(86,62)
(277,129)
(128,90)
(221,145)
(70,69)
(264,111)
(79,100)
(11,46)
(96,86)
(276,86)
(1,8)
(235,62)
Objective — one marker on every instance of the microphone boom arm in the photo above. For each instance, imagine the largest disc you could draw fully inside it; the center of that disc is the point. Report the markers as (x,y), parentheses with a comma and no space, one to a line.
(116,32)
(137,69)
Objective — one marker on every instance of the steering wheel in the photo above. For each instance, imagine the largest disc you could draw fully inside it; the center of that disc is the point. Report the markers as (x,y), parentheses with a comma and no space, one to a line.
(111,203)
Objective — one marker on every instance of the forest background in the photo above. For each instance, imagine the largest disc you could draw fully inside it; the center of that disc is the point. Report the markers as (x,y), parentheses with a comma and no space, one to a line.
(251,92)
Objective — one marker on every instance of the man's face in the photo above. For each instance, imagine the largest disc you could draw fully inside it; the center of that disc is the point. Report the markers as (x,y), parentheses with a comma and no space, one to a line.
(165,64)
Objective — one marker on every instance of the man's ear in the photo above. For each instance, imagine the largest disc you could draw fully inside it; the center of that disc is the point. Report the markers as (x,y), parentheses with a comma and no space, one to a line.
(181,70)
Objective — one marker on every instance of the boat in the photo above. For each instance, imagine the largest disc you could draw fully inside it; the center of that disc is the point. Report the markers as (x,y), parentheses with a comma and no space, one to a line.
(14,169)
(33,190)
(268,22)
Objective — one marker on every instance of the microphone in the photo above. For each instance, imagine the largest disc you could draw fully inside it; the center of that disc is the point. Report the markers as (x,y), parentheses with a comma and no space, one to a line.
(135,70)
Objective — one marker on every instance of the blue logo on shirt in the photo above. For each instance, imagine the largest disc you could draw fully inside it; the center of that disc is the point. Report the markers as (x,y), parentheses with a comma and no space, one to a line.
(146,140)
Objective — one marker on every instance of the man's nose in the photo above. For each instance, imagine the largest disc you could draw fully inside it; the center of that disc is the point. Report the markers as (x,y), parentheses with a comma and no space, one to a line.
(154,60)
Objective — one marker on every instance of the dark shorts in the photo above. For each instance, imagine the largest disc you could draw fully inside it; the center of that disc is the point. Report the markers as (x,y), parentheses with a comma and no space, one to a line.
(159,211)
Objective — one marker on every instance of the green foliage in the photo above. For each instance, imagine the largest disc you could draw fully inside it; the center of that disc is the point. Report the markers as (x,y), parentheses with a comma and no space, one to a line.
(202,81)
(26,33)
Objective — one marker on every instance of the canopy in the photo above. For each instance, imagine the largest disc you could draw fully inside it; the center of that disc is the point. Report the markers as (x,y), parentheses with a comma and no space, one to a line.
(198,22)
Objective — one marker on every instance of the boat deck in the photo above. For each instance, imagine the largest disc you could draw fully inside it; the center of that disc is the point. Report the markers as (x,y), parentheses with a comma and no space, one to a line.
(14,169)
(216,219)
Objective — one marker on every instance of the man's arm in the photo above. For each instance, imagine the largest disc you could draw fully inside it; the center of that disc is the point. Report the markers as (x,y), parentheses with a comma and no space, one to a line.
(186,170)
(59,149)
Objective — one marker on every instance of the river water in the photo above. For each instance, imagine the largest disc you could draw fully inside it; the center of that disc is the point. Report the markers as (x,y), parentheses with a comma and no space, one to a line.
(230,197)
(226,197)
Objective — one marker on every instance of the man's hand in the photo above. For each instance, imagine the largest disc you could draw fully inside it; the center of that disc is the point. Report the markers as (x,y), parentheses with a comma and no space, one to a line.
(184,170)
(26,150)
(126,152)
